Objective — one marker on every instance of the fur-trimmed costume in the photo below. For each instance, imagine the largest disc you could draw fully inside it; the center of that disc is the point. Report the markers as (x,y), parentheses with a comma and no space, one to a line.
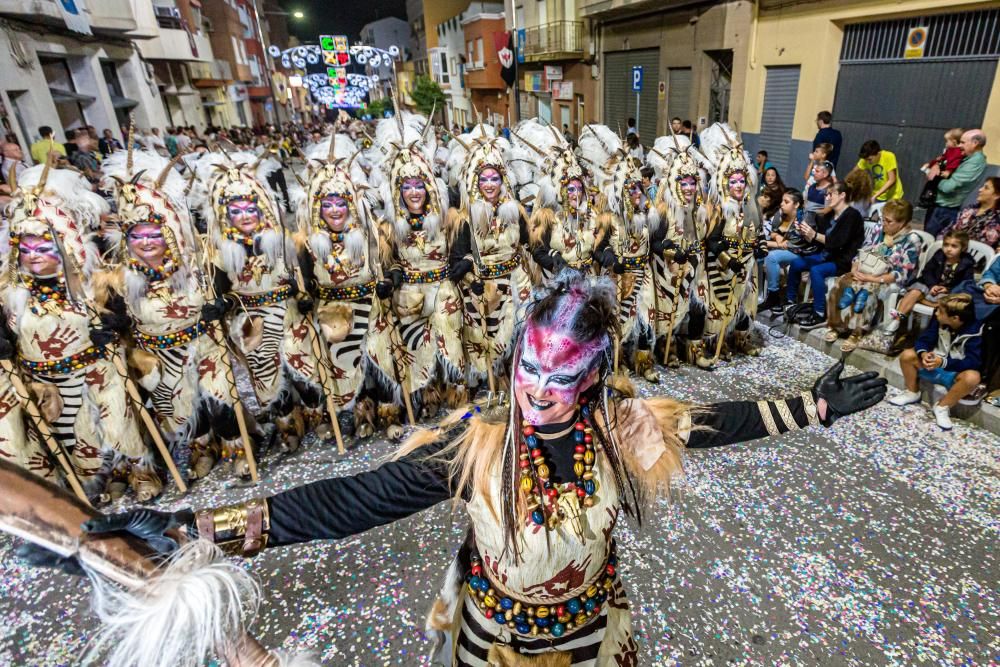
(729,285)
(487,239)
(176,354)
(82,396)
(421,331)
(256,269)
(559,234)
(679,238)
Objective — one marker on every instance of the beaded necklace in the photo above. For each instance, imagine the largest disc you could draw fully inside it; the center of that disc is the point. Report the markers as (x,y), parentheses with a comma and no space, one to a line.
(542,496)
(49,294)
(416,222)
(162,272)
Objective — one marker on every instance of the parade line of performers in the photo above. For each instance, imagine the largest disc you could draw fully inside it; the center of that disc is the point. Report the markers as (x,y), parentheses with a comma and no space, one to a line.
(523,267)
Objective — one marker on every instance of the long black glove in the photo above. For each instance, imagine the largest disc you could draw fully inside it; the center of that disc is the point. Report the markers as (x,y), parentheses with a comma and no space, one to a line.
(760,250)
(458,269)
(101,337)
(845,396)
(38,556)
(116,322)
(213,311)
(681,257)
(148,525)
(396,276)
(660,246)
(477,288)
(607,258)
(305,304)
(383,289)
(7,347)
(618,267)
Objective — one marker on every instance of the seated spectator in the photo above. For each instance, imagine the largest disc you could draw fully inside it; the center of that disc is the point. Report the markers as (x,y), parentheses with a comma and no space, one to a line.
(948,353)
(840,235)
(107,144)
(768,208)
(41,149)
(883,266)
(84,158)
(986,299)
(819,154)
(951,265)
(773,185)
(762,164)
(816,203)
(981,221)
(884,170)
(859,181)
(953,190)
(946,162)
(784,244)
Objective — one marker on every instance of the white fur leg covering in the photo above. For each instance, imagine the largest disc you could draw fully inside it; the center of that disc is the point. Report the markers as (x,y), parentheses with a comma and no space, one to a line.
(184,616)
(297,660)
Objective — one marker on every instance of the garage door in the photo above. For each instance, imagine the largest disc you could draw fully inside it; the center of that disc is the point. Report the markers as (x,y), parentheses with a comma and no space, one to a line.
(780,93)
(619,100)
(907,105)
(679,93)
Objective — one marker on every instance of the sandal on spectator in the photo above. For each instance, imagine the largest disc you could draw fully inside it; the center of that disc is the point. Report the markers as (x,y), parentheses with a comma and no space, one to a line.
(851,343)
(831,336)
(974,397)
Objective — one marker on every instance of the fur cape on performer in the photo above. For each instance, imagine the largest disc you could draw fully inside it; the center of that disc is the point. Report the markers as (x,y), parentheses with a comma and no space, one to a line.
(404,147)
(232,176)
(51,201)
(148,189)
(615,171)
(332,168)
(724,150)
(471,153)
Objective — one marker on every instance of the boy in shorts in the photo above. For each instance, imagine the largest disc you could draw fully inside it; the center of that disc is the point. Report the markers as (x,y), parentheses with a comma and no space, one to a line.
(948,353)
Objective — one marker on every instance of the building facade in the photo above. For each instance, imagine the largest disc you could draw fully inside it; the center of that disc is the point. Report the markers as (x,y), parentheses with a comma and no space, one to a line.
(53,77)
(486,87)
(449,59)
(383,34)
(900,73)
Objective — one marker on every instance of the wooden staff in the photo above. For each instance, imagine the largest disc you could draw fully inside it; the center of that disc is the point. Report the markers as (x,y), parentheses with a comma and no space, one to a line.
(322,353)
(44,430)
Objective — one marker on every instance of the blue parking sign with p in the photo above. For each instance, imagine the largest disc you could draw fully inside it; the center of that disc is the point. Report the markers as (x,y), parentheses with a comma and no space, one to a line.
(637,78)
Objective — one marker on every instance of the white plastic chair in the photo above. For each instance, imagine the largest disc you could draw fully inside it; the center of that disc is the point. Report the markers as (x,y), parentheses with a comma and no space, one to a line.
(926,242)
(982,253)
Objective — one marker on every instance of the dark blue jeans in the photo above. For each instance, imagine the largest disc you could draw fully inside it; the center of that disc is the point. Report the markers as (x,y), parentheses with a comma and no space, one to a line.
(940,217)
(819,270)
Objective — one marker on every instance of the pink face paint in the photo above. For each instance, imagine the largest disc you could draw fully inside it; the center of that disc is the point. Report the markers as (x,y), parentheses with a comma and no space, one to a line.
(38,256)
(737,185)
(490,182)
(147,244)
(334,210)
(574,192)
(688,186)
(243,214)
(414,194)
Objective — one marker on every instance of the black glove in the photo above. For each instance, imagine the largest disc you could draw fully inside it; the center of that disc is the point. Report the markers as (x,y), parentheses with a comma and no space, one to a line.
(716,246)
(681,257)
(458,270)
(618,268)
(101,337)
(213,311)
(607,258)
(383,289)
(115,322)
(396,276)
(38,556)
(845,396)
(739,270)
(558,264)
(6,347)
(760,251)
(661,246)
(305,304)
(477,287)
(148,525)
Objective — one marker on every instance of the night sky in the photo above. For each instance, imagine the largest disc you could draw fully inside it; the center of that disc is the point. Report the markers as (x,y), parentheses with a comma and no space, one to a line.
(338,17)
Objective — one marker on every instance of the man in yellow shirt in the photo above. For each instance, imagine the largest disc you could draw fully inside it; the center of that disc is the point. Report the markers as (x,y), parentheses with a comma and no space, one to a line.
(881,164)
(40,149)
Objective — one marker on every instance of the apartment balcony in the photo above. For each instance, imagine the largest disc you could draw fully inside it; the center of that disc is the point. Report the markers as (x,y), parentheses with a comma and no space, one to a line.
(558,40)
(210,74)
(175,44)
(114,17)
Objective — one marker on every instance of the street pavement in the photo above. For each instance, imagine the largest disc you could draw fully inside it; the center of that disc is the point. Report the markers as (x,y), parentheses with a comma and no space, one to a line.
(870,543)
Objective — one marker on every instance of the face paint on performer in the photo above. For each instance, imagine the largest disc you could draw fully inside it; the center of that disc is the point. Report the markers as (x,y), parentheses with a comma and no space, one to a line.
(38,256)
(334,211)
(635,193)
(575,193)
(553,369)
(414,194)
(737,185)
(689,187)
(146,243)
(490,183)
(244,215)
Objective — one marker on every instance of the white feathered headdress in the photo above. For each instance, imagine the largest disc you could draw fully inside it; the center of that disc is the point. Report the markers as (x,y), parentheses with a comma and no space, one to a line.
(472,153)
(724,150)
(553,165)
(615,173)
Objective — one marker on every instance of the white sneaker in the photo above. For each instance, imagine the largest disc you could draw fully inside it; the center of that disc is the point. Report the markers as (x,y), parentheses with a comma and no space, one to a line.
(892,326)
(942,416)
(905,398)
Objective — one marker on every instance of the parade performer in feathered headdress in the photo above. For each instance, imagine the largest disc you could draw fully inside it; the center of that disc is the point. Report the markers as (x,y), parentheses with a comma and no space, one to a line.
(64,344)
(729,284)
(489,230)
(631,217)
(678,241)
(544,480)
(418,345)
(562,229)
(179,351)
(254,259)
(338,257)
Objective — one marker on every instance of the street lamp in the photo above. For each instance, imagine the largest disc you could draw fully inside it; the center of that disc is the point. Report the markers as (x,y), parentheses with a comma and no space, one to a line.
(298,15)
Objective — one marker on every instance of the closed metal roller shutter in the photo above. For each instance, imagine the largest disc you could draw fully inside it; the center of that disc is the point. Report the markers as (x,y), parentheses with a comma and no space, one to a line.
(679,93)
(619,100)
(780,92)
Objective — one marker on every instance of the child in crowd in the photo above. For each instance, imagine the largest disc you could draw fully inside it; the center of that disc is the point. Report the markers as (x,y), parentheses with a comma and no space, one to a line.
(819,154)
(948,353)
(946,162)
(949,266)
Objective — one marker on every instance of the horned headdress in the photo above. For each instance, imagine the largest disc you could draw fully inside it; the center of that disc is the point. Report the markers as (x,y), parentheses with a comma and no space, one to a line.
(472,153)
(615,173)
(554,164)
(724,150)
(674,159)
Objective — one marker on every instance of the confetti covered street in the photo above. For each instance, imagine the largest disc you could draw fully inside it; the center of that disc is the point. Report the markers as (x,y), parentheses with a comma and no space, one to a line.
(871,543)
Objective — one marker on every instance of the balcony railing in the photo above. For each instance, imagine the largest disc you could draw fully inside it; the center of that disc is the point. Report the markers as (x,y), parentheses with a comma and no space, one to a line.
(555,39)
